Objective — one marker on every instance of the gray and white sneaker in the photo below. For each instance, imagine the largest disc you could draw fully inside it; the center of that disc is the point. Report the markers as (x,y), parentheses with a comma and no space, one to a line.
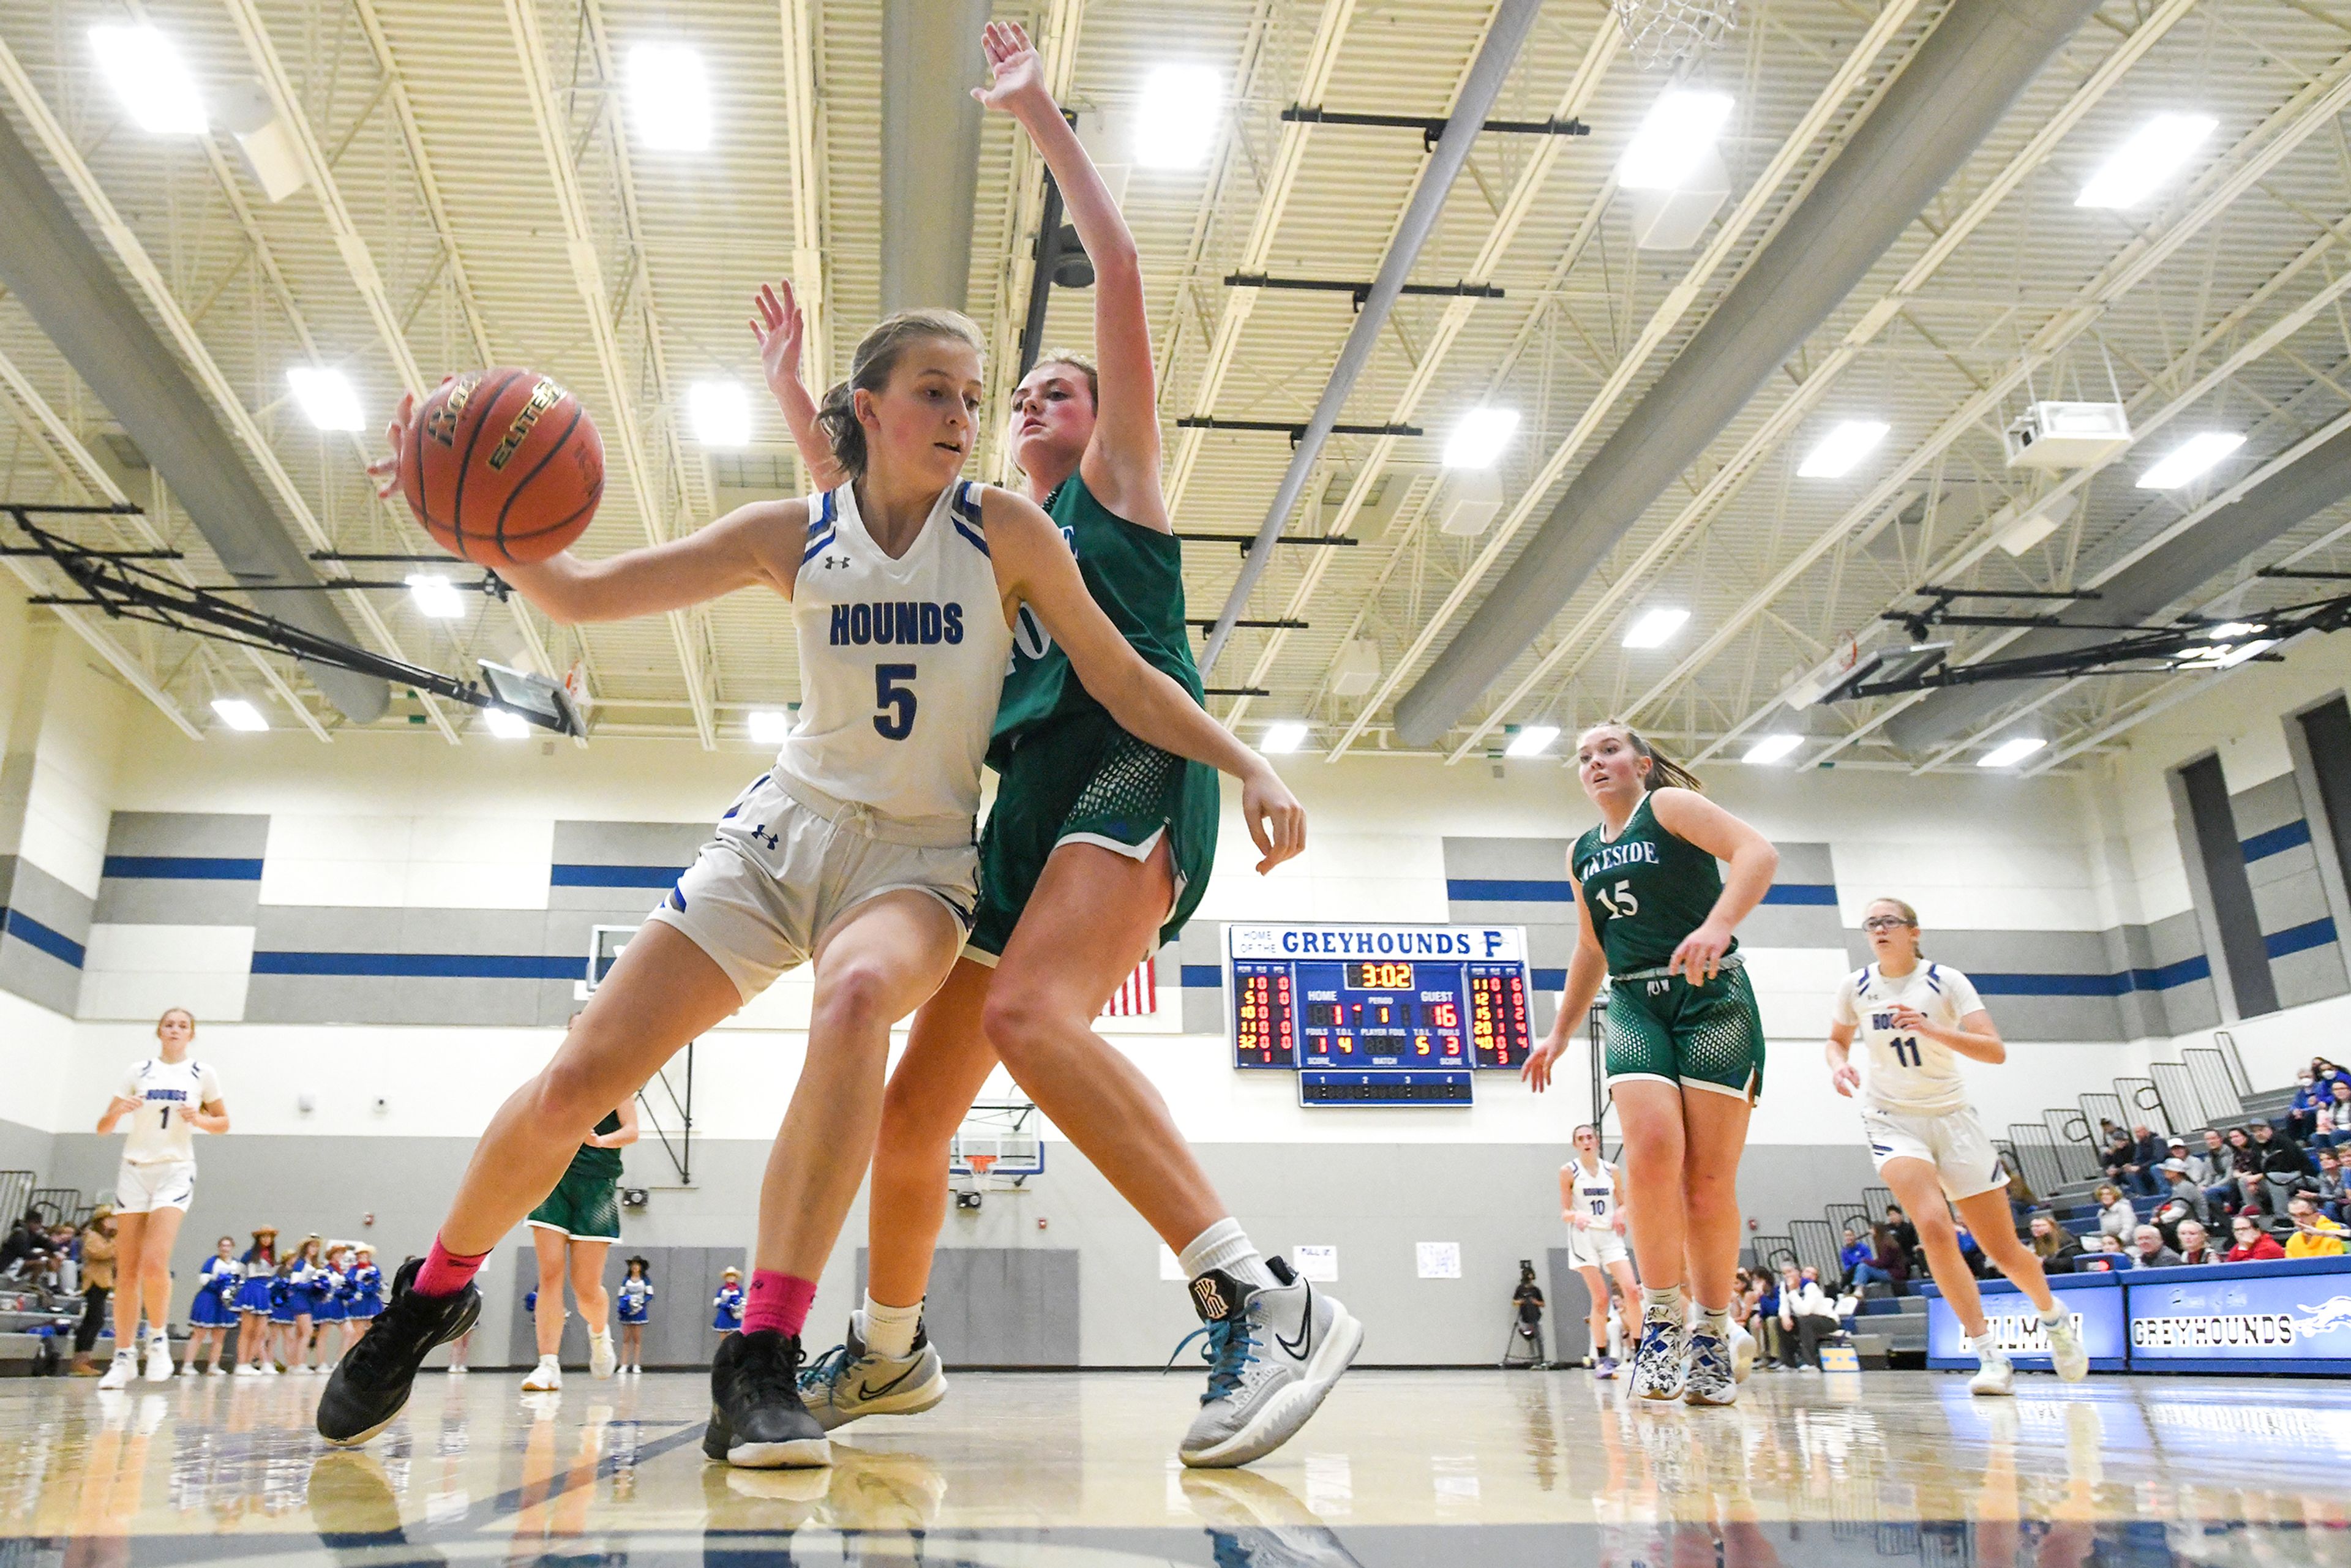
(1272,1354)
(847,1381)
(1710,1379)
(1661,1363)
(2068,1354)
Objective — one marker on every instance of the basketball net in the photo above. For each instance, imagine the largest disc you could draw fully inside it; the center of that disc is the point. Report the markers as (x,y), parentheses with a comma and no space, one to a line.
(980,1165)
(1663,34)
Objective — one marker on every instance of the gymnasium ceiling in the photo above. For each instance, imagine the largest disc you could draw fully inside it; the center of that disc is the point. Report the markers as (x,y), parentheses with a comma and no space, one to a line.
(482,166)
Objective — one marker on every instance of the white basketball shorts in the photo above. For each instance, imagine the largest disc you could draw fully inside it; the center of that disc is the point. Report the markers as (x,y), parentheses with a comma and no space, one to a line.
(1953,1141)
(788,861)
(142,1189)
(1589,1249)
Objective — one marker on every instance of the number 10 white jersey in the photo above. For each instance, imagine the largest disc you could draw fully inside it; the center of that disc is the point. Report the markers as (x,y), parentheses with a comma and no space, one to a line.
(1901,1071)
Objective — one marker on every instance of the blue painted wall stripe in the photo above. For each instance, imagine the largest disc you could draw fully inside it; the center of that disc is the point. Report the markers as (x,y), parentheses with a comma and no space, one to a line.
(182,868)
(2299,938)
(2277,841)
(1479,890)
(1211,976)
(33,934)
(423,966)
(614,875)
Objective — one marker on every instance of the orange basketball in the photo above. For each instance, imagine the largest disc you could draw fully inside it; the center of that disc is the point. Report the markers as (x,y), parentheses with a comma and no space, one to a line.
(502,465)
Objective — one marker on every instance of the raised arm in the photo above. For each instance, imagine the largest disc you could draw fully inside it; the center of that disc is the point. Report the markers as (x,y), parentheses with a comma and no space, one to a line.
(1033,566)
(1121,464)
(1695,820)
(782,331)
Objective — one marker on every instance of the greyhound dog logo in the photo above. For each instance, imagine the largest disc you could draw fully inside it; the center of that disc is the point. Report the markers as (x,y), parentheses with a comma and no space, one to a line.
(2326,1317)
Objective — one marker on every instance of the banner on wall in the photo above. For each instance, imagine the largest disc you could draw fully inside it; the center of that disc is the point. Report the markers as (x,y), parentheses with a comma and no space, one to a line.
(2095,1301)
(2238,1315)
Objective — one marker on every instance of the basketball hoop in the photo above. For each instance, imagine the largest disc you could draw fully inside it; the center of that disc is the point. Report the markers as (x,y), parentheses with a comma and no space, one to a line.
(1663,34)
(980,1165)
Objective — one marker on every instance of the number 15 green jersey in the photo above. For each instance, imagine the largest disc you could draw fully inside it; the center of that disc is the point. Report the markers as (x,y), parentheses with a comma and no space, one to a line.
(1645,889)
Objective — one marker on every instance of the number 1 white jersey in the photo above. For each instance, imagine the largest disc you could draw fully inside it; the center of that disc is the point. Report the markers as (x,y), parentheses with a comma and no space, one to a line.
(902,661)
(1903,1072)
(166,1093)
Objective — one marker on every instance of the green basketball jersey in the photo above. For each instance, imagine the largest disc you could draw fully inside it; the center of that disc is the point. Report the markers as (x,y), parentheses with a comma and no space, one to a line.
(593,1161)
(1646,890)
(1136,575)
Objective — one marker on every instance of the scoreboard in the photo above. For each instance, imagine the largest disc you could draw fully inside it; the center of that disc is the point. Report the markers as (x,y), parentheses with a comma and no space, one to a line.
(1387,1015)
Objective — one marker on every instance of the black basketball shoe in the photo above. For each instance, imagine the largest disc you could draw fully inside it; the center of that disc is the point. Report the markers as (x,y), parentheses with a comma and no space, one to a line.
(756,1419)
(372,1382)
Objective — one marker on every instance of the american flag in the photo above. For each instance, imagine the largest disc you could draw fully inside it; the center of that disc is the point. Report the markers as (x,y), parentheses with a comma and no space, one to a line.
(1137,994)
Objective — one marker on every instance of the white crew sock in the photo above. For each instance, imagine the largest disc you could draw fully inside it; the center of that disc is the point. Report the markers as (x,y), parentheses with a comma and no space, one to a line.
(889,1331)
(1224,1246)
(2055,1317)
(1986,1347)
(1666,1303)
(1714,1321)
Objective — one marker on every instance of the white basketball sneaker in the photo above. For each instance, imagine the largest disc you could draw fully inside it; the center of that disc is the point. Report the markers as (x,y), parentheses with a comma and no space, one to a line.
(1998,1375)
(603,1359)
(1273,1354)
(547,1377)
(123,1371)
(848,1381)
(159,1358)
(2066,1351)
(1742,1352)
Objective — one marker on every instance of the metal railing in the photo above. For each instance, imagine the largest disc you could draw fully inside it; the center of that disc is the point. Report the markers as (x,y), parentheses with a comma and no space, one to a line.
(2145,1103)
(2070,1135)
(1771,1251)
(15,1189)
(2181,1104)
(2037,1156)
(1878,1199)
(59,1203)
(2219,1076)
(2100,1111)
(1816,1248)
(1848,1215)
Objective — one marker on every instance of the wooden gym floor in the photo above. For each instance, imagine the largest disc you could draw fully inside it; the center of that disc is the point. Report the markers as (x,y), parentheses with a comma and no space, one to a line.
(1481,1468)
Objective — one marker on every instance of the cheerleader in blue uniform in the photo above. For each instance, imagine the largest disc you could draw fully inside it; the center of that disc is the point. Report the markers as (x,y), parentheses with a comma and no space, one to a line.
(308,1277)
(728,1303)
(634,1294)
(283,1301)
(365,1292)
(211,1316)
(260,1262)
(330,1305)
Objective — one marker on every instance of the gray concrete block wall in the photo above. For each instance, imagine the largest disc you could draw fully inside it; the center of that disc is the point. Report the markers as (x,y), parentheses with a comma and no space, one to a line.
(44,930)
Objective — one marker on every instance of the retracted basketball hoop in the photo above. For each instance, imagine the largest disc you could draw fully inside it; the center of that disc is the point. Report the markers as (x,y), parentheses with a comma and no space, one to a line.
(1665,34)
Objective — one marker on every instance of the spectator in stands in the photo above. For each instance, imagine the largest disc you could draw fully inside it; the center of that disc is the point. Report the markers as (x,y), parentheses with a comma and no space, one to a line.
(2185,1195)
(2245,1170)
(1763,1303)
(1905,1234)
(2286,1170)
(1889,1256)
(2116,1218)
(2105,1254)
(2329,1191)
(2219,1181)
(2301,1113)
(97,1285)
(1807,1313)
(2335,1115)
(2151,1252)
(2198,1171)
(2196,1247)
(2147,1153)
(22,1238)
(1859,1256)
(2019,1192)
(2116,1148)
(2254,1245)
(2315,1235)
(2056,1249)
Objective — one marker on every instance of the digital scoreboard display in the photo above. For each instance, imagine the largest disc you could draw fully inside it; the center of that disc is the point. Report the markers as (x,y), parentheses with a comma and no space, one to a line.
(1401,1014)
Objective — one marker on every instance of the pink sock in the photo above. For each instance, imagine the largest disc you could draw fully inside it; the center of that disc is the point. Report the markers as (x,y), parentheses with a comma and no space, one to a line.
(446,1273)
(777,1301)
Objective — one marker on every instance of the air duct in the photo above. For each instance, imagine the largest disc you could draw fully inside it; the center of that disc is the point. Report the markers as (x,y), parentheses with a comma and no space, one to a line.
(2146,587)
(65,285)
(930,148)
(1955,90)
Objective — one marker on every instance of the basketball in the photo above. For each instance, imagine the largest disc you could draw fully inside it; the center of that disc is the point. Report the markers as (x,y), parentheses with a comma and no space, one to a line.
(502,465)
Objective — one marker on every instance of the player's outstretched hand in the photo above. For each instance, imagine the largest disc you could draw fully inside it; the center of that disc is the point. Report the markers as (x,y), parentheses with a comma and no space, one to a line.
(1277,823)
(1847,1080)
(1016,70)
(1699,957)
(385,471)
(781,329)
(1535,1070)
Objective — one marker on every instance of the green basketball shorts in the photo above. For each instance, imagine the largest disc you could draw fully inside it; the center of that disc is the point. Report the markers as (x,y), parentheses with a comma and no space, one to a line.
(1082,780)
(584,1206)
(1660,1027)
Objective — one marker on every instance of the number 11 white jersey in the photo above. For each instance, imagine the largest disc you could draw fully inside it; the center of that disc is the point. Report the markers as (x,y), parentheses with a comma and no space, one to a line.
(1900,1072)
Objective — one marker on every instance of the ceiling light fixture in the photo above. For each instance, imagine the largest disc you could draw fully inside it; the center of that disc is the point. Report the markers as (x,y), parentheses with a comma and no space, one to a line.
(1772,748)
(1283,737)
(150,79)
(1478,441)
(769,726)
(2009,753)
(327,397)
(238,713)
(721,411)
(669,97)
(1176,123)
(1840,449)
(436,597)
(1533,741)
(2190,460)
(1657,628)
(1673,137)
(505,724)
(2152,155)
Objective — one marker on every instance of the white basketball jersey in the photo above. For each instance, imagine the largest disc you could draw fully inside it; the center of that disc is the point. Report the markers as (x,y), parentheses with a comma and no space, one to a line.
(1595,1192)
(901,662)
(1901,1071)
(166,1093)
